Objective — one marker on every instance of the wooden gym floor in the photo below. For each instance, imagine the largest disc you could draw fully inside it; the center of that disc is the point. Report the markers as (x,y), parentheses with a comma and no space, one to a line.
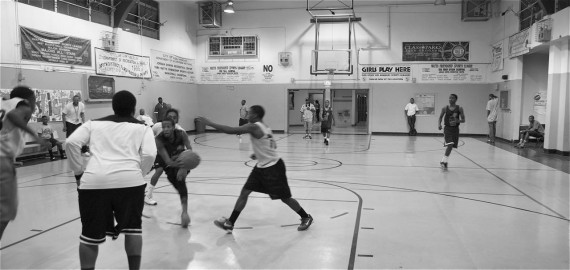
(379,202)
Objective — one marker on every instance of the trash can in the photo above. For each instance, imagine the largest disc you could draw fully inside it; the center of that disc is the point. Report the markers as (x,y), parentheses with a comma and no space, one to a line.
(200,127)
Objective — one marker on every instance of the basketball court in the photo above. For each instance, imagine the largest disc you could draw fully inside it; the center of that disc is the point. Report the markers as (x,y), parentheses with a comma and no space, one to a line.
(378,202)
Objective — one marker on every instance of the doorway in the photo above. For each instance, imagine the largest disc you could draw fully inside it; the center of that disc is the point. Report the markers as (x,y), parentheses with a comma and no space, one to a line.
(350,110)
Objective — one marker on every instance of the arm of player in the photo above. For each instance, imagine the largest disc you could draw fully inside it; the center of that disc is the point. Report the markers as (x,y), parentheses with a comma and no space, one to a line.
(63,121)
(73,144)
(20,117)
(461,115)
(440,118)
(247,128)
(164,154)
(186,141)
(147,151)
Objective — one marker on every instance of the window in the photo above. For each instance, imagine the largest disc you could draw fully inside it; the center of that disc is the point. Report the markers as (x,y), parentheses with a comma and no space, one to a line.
(144,19)
(45,4)
(97,11)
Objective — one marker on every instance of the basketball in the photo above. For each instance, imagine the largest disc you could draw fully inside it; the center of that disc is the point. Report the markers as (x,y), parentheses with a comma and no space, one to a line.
(190,159)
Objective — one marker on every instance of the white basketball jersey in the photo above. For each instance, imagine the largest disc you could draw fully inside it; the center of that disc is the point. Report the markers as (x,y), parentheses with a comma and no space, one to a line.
(12,139)
(264,147)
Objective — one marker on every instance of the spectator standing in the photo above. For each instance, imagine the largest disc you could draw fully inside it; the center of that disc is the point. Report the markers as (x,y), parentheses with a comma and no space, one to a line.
(410,110)
(492,109)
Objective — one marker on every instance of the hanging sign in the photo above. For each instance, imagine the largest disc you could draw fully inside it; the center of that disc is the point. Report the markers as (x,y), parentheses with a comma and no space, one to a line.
(170,67)
(435,51)
(539,106)
(497,54)
(518,43)
(54,48)
(451,73)
(224,73)
(121,64)
(386,73)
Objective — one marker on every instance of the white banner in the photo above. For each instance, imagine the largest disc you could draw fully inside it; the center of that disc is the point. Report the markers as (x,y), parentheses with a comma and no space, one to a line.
(386,73)
(518,43)
(228,73)
(121,64)
(451,73)
(497,55)
(170,67)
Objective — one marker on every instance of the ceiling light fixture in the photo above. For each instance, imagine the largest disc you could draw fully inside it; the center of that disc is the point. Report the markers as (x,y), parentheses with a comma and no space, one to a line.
(439,2)
(229,7)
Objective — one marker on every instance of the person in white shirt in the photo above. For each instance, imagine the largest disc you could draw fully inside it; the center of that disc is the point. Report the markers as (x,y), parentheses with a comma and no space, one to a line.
(410,110)
(145,118)
(73,116)
(111,187)
(243,113)
(492,109)
(14,116)
(307,111)
(269,174)
(159,163)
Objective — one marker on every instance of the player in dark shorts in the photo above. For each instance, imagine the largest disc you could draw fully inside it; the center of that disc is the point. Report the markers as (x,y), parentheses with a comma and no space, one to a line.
(170,143)
(452,116)
(269,174)
(326,122)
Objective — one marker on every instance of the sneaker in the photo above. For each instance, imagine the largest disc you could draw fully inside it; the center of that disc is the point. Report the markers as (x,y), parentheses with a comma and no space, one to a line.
(148,200)
(327,141)
(52,158)
(443,165)
(86,154)
(305,223)
(64,157)
(224,224)
(310,137)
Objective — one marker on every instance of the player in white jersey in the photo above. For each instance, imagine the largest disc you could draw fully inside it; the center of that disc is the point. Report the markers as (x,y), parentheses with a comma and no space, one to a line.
(14,116)
(268,176)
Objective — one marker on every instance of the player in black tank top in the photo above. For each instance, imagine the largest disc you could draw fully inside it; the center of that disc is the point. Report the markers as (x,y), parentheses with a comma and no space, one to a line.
(452,115)
(170,143)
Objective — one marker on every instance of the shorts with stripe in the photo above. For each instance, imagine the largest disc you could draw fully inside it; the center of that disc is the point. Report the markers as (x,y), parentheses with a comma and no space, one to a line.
(100,208)
(451,135)
(271,180)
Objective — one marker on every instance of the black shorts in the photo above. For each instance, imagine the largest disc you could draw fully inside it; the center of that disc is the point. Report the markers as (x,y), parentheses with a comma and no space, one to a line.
(100,208)
(451,134)
(180,186)
(271,180)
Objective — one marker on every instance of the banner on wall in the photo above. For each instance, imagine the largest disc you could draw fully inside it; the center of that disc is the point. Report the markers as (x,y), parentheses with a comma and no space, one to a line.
(435,51)
(451,73)
(518,43)
(224,73)
(54,48)
(386,73)
(121,64)
(170,67)
(539,106)
(48,102)
(497,54)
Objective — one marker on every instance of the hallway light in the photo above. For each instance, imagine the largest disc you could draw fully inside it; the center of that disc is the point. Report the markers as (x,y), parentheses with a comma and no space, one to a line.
(439,2)
(229,7)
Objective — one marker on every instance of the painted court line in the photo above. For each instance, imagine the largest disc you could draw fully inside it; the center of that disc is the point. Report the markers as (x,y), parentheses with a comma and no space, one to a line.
(345,213)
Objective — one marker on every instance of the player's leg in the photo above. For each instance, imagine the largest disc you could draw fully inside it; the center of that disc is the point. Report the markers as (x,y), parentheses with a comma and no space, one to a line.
(177,177)
(8,193)
(158,170)
(128,208)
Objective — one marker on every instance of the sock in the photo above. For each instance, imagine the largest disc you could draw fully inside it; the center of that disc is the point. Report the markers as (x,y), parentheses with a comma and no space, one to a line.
(150,190)
(444,159)
(302,213)
(234,216)
(134,261)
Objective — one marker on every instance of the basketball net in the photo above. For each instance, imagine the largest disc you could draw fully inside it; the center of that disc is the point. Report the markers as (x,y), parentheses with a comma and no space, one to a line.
(330,77)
